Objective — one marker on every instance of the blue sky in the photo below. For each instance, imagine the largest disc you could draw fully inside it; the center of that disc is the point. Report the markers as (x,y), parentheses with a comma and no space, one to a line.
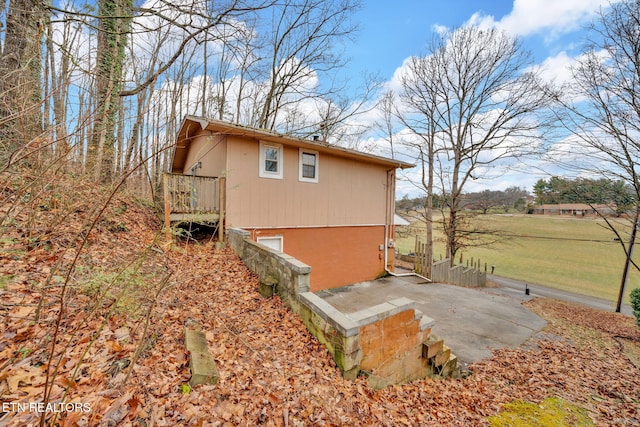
(392,31)
(553,30)
(389,32)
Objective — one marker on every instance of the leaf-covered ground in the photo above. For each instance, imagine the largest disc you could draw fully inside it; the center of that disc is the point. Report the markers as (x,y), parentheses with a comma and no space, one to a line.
(114,300)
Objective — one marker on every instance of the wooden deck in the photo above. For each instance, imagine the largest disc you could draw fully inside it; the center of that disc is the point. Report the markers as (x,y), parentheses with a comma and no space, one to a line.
(198,218)
(199,199)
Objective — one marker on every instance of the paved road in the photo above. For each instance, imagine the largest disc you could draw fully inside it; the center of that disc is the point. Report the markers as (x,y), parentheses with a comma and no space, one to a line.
(518,286)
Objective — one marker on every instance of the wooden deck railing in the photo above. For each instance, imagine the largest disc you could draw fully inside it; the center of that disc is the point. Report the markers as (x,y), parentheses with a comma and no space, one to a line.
(186,196)
(192,194)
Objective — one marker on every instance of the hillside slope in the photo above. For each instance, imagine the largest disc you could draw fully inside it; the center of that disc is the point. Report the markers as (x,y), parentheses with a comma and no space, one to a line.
(94,305)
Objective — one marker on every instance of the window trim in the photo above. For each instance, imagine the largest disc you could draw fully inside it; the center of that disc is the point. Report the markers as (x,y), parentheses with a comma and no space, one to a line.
(263,173)
(301,178)
(276,237)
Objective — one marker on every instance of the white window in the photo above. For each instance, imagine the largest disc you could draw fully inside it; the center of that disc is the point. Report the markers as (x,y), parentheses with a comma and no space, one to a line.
(273,242)
(271,160)
(309,162)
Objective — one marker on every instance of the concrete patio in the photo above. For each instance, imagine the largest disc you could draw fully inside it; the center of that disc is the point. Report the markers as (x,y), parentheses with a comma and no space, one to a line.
(472,321)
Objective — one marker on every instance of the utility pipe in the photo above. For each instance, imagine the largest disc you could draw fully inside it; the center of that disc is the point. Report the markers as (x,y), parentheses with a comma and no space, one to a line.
(389,217)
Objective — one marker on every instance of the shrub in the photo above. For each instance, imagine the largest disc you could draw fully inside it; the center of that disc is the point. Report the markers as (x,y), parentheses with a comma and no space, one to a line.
(635,303)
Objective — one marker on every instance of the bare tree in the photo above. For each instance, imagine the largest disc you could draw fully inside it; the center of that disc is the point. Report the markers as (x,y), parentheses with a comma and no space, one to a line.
(488,199)
(113,69)
(387,123)
(113,30)
(419,96)
(473,101)
(62,55)
(303,41)
(336,116)
(20,76)
(604,110)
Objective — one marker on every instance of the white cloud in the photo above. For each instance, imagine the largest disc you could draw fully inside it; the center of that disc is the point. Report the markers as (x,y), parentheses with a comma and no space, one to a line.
(440,29)
(537,16)
(557,69)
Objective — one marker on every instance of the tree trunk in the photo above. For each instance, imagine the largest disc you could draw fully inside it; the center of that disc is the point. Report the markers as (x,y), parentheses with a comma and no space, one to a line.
(113,28)
(627,263)
(20,68)
(426,269)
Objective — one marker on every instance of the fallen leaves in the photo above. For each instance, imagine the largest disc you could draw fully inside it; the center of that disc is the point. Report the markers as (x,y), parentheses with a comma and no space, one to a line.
(272,371)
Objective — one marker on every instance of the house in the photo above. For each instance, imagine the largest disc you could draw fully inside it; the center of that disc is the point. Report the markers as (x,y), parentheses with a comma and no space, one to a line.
(327,206)
(399,221)
(574,209)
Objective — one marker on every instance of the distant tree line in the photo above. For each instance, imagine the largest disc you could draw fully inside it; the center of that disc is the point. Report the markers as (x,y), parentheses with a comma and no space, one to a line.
(585,190)
(483,201)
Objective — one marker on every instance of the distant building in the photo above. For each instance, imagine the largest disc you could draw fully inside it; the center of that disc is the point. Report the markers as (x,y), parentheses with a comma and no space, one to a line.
(575,209)
(399,221)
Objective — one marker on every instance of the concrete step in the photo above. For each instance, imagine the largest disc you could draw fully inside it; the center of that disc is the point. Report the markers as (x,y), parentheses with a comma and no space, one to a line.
(441,357)
(432,347)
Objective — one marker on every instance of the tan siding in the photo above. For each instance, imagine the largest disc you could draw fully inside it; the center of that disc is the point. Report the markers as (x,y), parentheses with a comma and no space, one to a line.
(349,192)
(210,150)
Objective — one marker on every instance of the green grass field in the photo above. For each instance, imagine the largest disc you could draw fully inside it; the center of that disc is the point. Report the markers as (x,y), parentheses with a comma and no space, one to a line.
(578,255)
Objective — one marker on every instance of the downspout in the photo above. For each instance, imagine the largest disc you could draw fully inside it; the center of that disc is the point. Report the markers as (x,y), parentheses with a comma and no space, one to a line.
(389,217)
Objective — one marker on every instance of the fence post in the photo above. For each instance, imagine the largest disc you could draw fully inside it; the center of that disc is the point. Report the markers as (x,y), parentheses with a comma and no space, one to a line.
(416,257)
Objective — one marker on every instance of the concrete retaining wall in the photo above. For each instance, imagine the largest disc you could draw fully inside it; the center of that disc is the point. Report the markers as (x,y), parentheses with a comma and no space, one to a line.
(285,274)
(386,342)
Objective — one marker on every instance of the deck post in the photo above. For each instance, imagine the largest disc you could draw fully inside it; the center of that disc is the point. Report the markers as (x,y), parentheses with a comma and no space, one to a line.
(167,208)
(222,187)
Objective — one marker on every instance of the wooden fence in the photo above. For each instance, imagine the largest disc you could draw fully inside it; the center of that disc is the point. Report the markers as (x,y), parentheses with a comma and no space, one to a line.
(443,272)
(421,258)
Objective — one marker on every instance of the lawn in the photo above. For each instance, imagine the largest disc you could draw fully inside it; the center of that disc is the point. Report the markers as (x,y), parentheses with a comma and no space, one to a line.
(578,255)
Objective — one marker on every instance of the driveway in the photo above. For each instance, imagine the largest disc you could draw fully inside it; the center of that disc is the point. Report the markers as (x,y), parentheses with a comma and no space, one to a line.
(472,322)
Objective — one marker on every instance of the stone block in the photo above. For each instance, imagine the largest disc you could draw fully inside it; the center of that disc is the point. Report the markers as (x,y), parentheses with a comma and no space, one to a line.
(351,344)
(404,319)
(424,335)
(426,323)
(399,339)
(348,362)
(432,347)
(399,369)
(403,303)
(268,286)
(351,374)
(450,368)
(442,357)
(203,367)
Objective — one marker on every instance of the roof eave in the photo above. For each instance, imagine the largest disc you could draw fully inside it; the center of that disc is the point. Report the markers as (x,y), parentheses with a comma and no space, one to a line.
(239,130)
